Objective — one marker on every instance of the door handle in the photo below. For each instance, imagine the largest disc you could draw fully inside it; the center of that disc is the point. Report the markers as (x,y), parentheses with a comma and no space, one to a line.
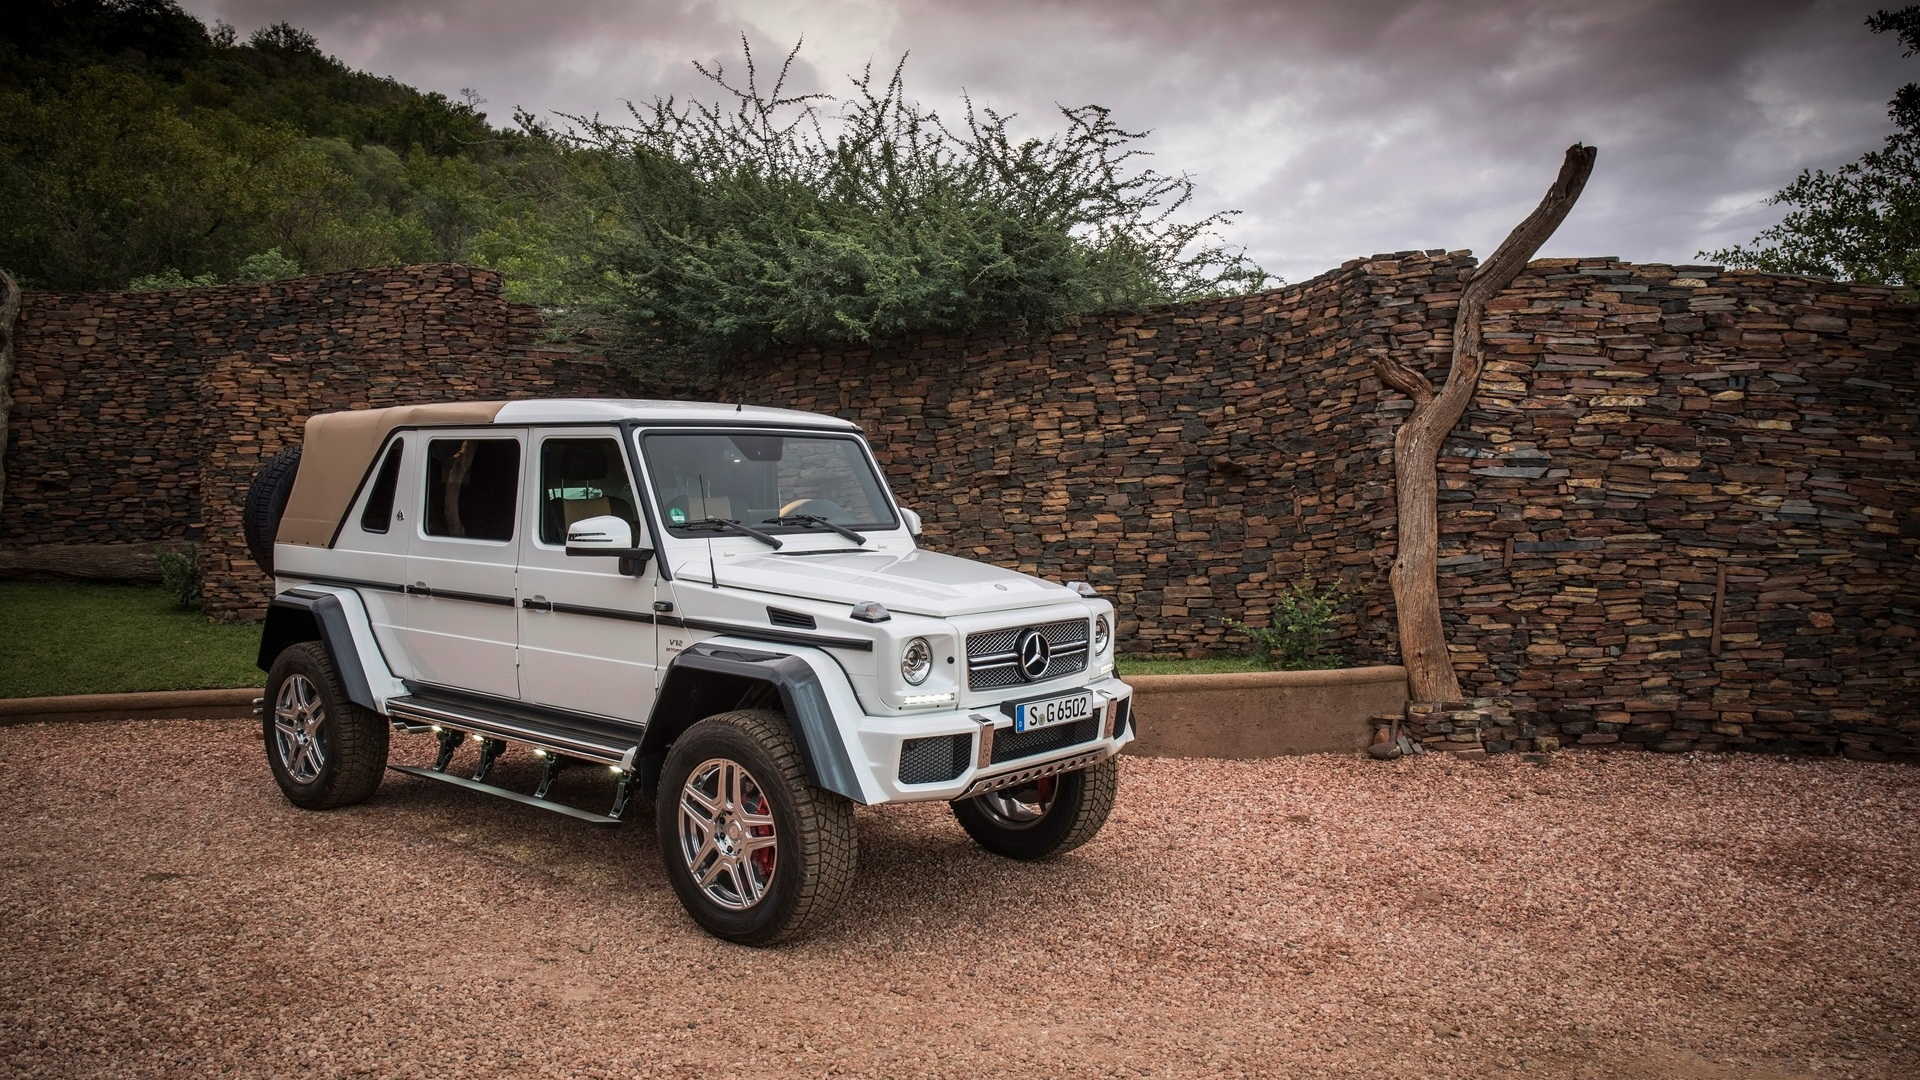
(537,603)
(418,588)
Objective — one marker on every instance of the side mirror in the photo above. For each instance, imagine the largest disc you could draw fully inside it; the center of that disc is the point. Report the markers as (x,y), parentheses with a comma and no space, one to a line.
(913,521)
(608,536)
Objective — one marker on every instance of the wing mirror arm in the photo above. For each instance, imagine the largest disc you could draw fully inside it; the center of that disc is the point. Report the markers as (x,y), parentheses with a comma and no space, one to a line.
(633,560)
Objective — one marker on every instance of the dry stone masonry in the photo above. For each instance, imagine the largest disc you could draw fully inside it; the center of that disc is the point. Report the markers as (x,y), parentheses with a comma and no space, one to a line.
(1681,514)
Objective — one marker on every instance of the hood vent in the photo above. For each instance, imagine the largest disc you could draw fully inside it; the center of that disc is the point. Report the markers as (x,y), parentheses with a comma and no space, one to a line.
(795,619)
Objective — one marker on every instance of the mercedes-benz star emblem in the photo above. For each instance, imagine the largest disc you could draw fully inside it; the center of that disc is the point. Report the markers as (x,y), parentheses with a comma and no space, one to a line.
(1035,654)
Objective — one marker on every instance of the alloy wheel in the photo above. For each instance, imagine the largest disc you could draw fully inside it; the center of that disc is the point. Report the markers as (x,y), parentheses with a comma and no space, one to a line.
(727,833)
(1022,807)
(298,715)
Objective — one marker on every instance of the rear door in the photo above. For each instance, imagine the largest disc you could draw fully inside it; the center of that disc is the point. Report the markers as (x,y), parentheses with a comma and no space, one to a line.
(460,626)
(586,631)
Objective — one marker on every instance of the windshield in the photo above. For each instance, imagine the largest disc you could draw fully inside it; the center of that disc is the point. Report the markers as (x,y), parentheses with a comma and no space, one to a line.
(760,478)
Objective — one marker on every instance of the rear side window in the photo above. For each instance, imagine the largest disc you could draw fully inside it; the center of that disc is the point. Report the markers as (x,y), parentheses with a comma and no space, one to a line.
(378,515)
(471,487)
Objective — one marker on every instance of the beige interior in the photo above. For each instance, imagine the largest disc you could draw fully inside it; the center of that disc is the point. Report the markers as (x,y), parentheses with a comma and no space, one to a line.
(339,450)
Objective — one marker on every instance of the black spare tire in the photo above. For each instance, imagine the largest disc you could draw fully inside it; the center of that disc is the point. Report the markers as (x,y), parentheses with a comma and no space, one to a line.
(266,501)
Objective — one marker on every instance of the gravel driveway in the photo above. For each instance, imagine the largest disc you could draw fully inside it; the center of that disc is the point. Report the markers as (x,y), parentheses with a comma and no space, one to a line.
(164,912)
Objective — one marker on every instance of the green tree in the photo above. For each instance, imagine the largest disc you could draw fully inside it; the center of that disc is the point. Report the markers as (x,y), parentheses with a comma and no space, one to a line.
(1860,222)
(760,220)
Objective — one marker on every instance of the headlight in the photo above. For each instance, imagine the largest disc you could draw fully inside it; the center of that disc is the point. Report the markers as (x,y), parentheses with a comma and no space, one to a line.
(1102,633)
(916,661)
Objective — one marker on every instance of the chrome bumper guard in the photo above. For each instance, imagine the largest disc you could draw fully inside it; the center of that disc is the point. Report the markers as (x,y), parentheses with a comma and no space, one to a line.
(1035,772)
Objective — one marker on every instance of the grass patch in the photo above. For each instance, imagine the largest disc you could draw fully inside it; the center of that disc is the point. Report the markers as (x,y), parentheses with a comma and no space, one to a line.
(74,638)
(1212,665)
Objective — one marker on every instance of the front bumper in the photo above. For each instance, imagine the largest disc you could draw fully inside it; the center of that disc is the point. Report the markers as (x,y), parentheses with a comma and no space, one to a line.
(983,727)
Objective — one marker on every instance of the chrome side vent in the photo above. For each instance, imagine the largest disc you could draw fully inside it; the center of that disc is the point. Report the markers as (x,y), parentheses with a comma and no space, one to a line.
(797,620)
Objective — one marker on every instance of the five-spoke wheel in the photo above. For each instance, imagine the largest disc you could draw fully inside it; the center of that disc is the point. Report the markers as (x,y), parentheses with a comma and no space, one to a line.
(727,833)
(298,716)
(324,750)
(755,852)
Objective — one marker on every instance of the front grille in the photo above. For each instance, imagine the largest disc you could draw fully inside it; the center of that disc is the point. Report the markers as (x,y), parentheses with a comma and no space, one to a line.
(931,760)
(1009,745)
(994,664)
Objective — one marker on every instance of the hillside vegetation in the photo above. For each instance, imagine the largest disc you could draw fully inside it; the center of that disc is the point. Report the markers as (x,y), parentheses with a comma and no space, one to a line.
(141,148)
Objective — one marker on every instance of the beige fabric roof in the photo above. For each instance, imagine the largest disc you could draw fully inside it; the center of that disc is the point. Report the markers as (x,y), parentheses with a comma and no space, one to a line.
(339,449)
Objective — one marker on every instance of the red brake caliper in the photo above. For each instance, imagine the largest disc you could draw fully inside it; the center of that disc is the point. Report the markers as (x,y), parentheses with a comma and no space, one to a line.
(1043,790)
(763,858)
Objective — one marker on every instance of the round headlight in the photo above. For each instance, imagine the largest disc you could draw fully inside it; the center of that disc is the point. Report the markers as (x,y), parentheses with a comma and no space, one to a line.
(916,661)
(1102,633)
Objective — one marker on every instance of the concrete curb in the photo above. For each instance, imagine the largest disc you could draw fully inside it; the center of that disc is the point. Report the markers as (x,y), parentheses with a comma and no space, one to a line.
(153,704)
(1258,714)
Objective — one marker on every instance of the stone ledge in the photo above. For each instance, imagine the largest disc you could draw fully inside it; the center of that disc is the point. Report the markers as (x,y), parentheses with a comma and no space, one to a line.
(1257,714)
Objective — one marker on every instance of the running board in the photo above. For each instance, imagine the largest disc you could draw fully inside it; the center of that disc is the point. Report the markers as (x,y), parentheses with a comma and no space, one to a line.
(588,738)
(510,796)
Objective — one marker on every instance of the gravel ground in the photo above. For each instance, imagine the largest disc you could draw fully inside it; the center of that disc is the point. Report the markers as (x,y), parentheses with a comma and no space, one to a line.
(164,912)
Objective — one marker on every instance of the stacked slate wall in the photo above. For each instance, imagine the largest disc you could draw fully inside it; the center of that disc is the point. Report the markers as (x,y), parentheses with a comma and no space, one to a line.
(139,416)
(1681,512)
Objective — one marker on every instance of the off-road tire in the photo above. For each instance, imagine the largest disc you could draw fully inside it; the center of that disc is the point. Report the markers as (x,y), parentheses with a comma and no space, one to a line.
(817,847)
(1080,806)
(266,501)
(356,737)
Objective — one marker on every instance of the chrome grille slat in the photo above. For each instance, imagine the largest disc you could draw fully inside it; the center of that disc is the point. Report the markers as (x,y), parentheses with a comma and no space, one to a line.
(994,664)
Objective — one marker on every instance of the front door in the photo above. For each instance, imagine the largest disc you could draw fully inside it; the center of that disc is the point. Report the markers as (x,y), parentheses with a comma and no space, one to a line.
(460,612)
(586,630)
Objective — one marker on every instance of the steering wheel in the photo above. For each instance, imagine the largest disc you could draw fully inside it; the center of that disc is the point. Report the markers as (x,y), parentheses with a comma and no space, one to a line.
(826,508)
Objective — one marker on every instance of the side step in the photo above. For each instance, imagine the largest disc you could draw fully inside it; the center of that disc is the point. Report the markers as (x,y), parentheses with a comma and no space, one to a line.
(555,736)
(511,796)
(586,737)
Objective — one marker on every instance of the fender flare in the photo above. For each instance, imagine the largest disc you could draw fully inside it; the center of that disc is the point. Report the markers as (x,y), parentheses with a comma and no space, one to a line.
(822,749)
(295,616)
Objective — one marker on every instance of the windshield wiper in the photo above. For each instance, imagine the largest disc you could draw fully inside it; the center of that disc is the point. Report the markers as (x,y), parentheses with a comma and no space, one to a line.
(730,525)
(816,519)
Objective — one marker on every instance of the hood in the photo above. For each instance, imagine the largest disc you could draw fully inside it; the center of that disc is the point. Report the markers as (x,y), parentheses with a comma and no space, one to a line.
(911,582)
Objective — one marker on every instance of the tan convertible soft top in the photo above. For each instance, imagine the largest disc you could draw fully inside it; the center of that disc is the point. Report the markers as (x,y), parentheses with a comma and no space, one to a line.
(339,449)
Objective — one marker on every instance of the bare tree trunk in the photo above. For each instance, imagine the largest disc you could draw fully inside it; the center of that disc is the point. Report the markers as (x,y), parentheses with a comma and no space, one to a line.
(1416,446)
(9,313)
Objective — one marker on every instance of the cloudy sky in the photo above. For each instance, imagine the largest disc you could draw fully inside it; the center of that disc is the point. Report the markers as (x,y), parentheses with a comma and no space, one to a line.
(1340,128)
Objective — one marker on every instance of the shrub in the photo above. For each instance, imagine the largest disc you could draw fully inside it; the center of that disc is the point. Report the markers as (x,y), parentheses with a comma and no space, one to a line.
(1299,636)
(772,218)
(180,576)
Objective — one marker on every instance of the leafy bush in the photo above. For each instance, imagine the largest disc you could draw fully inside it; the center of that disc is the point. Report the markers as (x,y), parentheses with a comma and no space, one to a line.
(772,218)
(180,577)
(1300,634)
(170,279)
(268,265)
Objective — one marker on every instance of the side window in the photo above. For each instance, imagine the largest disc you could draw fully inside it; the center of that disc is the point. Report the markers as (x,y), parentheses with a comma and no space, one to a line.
(579,479)
(471,485)
(378,515)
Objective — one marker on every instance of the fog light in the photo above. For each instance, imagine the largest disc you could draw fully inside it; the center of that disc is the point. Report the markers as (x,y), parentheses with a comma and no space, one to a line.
(914,701)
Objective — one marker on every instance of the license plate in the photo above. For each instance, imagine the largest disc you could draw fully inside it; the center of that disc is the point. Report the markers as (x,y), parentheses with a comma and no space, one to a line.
(1030,715)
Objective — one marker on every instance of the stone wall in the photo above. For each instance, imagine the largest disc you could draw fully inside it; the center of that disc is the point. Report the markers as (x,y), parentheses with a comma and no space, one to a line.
(1681,513)
(139,416)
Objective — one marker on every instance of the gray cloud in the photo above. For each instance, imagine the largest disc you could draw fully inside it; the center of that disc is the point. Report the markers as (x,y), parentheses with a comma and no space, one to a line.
(1342,129)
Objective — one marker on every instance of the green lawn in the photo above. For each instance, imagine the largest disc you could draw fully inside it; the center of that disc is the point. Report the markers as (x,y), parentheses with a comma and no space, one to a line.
(73,638)
(1212,665)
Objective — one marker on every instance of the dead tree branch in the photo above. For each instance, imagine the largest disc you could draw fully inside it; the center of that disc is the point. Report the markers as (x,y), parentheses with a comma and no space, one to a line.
(1417,444)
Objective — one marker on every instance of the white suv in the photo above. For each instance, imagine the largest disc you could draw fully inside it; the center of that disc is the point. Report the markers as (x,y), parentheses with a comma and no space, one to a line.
(721,607)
